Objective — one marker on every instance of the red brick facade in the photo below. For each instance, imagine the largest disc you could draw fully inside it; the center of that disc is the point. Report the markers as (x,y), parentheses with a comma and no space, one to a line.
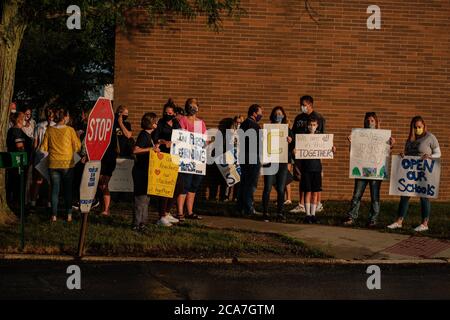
(276,53)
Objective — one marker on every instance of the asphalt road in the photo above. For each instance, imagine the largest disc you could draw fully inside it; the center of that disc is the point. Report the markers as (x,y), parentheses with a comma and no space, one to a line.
(47,280)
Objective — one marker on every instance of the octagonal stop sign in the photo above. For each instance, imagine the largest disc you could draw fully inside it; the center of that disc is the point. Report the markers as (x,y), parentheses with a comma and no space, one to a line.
(99,129)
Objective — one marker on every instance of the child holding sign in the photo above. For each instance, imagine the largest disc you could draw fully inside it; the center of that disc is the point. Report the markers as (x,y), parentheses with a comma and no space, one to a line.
(311,177)
(424,144)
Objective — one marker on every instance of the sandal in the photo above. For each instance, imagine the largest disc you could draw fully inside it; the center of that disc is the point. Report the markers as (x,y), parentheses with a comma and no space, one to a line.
(193,216)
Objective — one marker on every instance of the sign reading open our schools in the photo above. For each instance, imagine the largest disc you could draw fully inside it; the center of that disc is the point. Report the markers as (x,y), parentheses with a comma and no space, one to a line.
(190,147)
(275,145)
(369,154)
(414,177)
(314,146)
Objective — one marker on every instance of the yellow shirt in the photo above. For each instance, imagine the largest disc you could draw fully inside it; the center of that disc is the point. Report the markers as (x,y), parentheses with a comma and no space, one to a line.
(61,142)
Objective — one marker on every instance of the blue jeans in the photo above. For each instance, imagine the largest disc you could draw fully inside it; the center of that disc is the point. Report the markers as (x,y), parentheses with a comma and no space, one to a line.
(358,192)
(248,184)
(424,204)
(66,177)
(280,183)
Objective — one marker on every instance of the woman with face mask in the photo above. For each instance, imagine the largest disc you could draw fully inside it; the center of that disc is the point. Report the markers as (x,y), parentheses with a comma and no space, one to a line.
(278,115)
(370,122)
(162,137)
(424,144)
(61,142)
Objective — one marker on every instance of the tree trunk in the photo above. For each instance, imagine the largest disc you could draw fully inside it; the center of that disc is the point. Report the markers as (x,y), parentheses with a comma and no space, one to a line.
(12,29)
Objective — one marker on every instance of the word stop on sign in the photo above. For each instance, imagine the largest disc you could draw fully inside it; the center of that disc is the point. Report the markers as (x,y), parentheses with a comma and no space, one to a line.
(99,129)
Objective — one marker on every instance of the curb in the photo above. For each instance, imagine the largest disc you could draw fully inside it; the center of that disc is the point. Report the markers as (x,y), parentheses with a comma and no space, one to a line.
(303,261)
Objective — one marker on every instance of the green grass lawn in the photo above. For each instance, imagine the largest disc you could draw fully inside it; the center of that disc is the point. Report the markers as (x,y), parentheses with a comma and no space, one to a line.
(113,236)
(335,212)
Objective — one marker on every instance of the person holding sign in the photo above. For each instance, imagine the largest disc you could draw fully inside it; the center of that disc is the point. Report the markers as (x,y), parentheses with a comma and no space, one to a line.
(278,115)
(61,142)
(311,177)
(370,122)
(144,144)
(162,136)
(423,144)
(191,182)
(300,126)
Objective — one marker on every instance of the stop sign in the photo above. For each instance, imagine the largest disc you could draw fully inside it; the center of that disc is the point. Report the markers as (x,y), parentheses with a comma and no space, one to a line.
(99,129)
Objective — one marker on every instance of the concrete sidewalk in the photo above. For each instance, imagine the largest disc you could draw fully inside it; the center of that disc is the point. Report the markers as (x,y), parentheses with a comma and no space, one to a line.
(339,242)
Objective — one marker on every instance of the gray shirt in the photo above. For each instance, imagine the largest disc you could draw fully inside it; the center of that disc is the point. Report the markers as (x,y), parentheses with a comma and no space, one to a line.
(425,145)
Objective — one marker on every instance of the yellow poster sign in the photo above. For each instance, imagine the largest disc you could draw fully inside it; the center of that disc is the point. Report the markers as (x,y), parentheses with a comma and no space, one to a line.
(162,174)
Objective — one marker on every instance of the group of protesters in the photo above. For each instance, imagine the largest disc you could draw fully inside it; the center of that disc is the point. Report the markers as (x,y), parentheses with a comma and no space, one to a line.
(58,138)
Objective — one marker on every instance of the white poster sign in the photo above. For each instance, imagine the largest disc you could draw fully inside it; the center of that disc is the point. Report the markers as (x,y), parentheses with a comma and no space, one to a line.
(369,154)
(275,145)
(414,177)
(89,183)
(190,147)
(229,168)
(122,178)
(314,146)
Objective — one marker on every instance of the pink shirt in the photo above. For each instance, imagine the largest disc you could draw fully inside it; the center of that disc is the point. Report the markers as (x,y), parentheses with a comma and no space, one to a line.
(193,127)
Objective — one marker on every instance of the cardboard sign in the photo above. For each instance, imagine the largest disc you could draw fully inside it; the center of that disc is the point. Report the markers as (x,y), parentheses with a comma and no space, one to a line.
(229,167)
(122,178)
(414,177)
(89,183)
(314,146)
(162,174)
(275,145)
(369,154)
(42,166)
(190,147)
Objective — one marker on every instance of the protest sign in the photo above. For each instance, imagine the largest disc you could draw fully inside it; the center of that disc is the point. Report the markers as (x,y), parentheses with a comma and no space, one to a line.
(190,148)
(162,174)
(229,167)
(369,154)
(314,146)
(42,166)
(275,145)
(122,178)
(414,177)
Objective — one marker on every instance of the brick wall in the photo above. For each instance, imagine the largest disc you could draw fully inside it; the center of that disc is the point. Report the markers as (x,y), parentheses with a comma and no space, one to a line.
(276,53)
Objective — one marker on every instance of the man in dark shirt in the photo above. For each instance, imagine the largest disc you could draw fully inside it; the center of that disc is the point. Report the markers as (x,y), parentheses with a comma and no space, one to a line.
(249,155)
(300,126)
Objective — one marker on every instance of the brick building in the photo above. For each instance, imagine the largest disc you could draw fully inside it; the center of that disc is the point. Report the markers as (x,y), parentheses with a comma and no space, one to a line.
(276,52)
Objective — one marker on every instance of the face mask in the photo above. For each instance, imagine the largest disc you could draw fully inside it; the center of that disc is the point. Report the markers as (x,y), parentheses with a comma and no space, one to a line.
(124,118)
(419,131)
(372,126)
(279,118)
(168,117)
(238,126)
(258,117)
(312,129)
(304,109)
(191,110)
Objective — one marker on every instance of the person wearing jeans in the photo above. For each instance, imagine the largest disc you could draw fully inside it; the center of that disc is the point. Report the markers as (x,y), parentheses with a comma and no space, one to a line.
(420,143)
(360,187)
(278,115)
(370,122)
(62,177)
(61,142)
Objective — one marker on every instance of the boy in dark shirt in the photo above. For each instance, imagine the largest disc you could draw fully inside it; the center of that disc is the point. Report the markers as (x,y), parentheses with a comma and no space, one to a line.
(311,177)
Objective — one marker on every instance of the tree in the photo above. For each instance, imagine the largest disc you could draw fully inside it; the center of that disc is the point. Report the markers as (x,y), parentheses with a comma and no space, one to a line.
(17,15)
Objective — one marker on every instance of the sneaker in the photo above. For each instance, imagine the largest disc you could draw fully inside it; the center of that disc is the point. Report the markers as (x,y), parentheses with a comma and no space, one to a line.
(319,207)
(349,222)
(95,204)
(421,228)
(372,224)
(308,219)
(135,228)
(313,219)
(299,209)
(394,225)
(164,222)
(287,202)
(193,216)
(76,206)
(171,218)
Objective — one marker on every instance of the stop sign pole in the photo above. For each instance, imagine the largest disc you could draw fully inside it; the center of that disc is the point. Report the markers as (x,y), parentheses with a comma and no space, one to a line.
(97,140)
